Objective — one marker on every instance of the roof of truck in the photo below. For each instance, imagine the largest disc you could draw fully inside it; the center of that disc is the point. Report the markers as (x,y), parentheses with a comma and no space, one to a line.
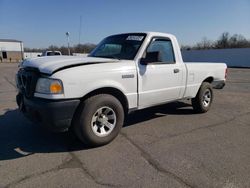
(150,33)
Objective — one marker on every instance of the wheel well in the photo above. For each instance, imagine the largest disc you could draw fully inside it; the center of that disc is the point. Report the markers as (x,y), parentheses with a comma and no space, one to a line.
(112,91)
(209,80)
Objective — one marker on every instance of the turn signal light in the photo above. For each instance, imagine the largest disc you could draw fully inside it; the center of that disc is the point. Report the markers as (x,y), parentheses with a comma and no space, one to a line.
(55,87)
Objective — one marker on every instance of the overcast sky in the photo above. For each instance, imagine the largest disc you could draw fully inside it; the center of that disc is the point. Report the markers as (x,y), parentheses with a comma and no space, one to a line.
(42,23)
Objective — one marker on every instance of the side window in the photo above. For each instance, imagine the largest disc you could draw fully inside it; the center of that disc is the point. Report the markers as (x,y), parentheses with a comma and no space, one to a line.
(165,49)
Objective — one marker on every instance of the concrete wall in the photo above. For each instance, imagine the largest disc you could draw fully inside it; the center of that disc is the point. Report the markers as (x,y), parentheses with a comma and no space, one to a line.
(237,57)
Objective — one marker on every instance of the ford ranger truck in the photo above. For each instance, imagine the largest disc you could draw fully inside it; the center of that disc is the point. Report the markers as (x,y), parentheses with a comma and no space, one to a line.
(125,72)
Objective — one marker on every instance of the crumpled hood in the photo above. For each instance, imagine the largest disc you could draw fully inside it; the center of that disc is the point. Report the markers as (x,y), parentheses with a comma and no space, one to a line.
(50,64)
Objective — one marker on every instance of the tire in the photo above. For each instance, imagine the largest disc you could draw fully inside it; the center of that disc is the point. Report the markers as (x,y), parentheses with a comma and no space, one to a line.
(98,120)
(204,98)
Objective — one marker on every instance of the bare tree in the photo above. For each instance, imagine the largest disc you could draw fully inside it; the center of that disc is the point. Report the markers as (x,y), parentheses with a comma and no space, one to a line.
(80,48)
(223,41)
(238,41)
(186,47)
(204,44)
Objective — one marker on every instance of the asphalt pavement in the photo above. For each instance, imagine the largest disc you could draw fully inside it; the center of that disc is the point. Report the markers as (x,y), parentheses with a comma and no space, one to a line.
(165,146)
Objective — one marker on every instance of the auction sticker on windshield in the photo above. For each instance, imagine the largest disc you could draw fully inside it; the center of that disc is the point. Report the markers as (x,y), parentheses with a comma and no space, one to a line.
(135,37)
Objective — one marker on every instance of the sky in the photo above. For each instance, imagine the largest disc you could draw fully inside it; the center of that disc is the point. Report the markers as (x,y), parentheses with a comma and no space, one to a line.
(42,23)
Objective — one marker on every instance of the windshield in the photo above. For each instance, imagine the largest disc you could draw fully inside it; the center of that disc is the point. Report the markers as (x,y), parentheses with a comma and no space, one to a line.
(124,46)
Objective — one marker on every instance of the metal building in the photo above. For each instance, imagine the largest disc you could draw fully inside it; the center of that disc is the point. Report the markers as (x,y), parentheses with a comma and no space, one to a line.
(11,50)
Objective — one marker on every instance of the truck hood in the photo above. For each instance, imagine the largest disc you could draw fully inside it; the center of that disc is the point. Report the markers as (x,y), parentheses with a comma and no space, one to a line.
(50,64)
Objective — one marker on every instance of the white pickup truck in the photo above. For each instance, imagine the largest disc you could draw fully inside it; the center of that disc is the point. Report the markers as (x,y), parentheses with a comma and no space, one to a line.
(125,72)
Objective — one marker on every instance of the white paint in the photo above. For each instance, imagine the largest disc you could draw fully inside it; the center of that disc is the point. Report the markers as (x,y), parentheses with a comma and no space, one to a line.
(80,54)
(11,46)
(48,64)
(28,55)
(152,84)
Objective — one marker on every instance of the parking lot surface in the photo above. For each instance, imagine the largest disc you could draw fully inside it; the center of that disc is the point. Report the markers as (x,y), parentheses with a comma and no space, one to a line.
(165,146)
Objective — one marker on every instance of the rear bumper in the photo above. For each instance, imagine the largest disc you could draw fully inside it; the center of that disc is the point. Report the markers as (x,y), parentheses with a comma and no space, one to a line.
(219,84)
(54,114)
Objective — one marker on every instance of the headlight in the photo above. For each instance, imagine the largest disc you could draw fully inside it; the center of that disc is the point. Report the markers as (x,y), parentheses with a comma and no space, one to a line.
(49,86)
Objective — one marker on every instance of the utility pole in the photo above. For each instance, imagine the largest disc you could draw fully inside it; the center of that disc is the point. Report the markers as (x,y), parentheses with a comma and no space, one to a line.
(67,35)
(80,29)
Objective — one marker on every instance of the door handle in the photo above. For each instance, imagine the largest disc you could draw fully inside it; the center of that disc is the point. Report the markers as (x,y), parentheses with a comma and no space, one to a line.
(176,70)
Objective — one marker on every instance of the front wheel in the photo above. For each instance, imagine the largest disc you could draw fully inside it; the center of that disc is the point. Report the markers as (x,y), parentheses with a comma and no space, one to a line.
(99,120)
(203,100)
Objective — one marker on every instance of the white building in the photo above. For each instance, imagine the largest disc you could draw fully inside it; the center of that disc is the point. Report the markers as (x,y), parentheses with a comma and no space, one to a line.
(11,50)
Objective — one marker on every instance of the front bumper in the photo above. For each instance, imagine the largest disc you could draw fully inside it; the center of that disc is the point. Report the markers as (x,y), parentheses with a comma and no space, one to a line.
(54,114)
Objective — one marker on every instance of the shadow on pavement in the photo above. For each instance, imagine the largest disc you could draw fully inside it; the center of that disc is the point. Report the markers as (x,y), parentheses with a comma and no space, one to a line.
(19,137)
(174,108)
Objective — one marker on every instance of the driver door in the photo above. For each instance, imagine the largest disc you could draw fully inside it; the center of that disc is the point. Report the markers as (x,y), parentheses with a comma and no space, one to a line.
(160,81)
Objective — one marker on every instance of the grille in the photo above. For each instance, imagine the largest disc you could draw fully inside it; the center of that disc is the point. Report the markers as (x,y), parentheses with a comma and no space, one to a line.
(26,81)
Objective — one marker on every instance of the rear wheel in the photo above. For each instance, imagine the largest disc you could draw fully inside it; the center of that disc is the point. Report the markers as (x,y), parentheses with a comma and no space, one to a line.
(99,120)
(203,100)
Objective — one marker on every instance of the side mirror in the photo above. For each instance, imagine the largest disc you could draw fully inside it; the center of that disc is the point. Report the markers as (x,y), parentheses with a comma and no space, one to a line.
(38,55)
(151,57)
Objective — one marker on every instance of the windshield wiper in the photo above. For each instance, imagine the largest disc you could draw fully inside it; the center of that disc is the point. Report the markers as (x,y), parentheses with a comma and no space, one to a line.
(109,56)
